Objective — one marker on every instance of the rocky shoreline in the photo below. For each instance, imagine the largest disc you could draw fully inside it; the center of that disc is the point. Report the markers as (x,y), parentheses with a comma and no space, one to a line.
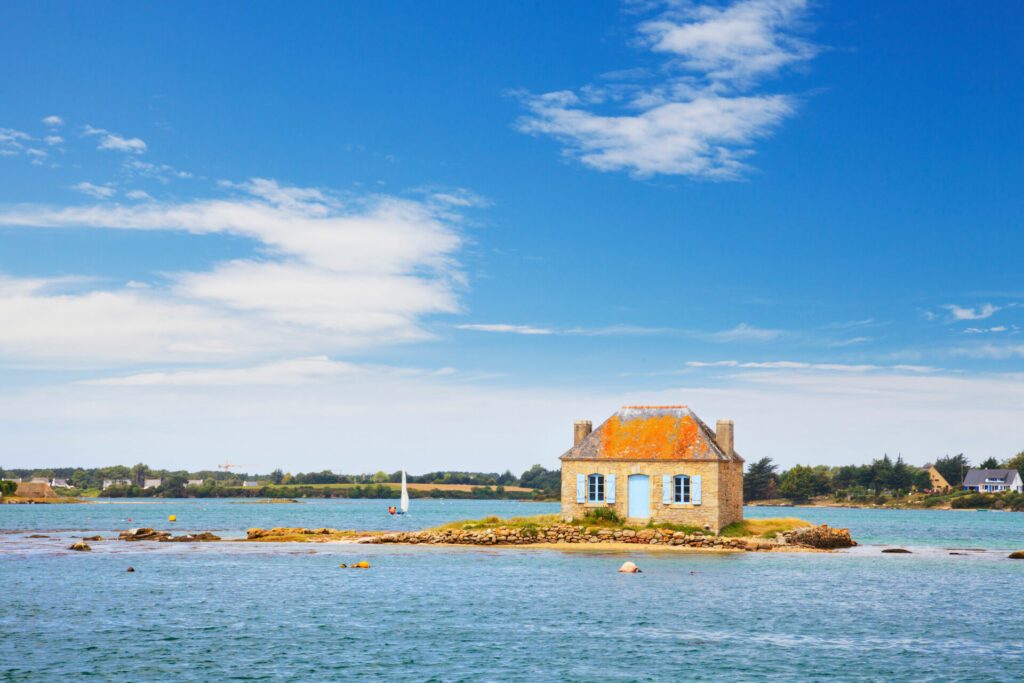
(806,538)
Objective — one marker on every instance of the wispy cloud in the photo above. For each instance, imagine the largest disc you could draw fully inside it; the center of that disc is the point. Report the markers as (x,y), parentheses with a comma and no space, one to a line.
(509,329)
(703,119)
(606,331)
(13,142)
(986,330)
(161,172)
(93,190)
(53,121)
(115,142)
(328,273)
(745,332)
(975,313)
(802,365)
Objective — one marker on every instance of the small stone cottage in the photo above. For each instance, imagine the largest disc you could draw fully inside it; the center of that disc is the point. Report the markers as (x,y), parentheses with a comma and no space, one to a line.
(654,463)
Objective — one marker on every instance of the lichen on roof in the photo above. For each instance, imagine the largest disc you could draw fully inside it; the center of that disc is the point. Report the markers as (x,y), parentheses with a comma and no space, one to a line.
(650,433)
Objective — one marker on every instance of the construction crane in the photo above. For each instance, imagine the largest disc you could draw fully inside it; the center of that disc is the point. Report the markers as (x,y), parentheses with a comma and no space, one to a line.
(228,465)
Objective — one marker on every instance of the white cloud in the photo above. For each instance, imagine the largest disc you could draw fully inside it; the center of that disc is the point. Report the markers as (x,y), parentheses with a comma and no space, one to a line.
(977,313)
(992,351)
(98,191)
(162,172)
(310,370)
(115,142)
(607,331)
(137,194)
(745,332)
(12,142)
(739,42)
(513,329)
(328,275)
(803,365)
(283,414)
(53,140)
(53,121)
(986,330)
(699,123)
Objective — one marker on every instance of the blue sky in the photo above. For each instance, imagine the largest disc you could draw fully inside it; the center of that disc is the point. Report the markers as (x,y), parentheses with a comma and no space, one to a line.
(363,236)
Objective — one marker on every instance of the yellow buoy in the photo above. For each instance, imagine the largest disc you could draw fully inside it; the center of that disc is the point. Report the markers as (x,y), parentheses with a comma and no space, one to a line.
(363,565)
(172,518)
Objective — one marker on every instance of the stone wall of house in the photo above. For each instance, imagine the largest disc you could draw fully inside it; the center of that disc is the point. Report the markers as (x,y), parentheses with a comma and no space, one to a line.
(721,490)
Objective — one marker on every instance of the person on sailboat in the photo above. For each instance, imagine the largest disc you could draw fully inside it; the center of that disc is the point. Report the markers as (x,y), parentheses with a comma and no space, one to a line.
(392,509)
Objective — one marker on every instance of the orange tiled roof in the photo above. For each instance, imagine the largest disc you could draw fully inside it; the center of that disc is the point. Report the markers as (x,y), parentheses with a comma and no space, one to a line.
(650,433)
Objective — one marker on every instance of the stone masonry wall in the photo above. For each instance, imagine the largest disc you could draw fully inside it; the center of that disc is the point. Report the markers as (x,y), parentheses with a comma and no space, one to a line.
(721,490)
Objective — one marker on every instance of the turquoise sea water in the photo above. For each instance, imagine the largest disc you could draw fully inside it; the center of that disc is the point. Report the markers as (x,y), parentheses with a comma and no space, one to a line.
(287,612)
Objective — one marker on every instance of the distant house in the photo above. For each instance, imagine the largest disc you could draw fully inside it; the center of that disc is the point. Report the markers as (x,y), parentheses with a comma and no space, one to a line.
(39,480)
(250,484)
(107,483)
(60,484)
(939,482)
(657,464)
(150,483)
(16,480)
(993,481)
(195,482)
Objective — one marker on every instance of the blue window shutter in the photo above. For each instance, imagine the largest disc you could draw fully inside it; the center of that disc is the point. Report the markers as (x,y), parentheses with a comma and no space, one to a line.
(695,489)
(666,489)
(581,488)
(609,488)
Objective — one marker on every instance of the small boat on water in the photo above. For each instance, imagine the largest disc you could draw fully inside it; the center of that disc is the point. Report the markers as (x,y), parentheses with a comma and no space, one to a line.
(403,505)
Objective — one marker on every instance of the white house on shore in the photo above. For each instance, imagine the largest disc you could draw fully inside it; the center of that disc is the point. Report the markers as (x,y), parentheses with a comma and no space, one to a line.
(250,484)
(993,481)
(195,482)
(150,483)
(107,483)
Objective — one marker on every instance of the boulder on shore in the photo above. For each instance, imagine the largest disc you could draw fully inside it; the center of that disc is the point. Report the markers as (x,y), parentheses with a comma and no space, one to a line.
(144,534)
(823,537)
(80,545)
(1017,555)
(193,538)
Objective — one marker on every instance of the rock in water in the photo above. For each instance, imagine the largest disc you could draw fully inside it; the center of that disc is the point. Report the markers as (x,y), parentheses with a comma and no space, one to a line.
(1017,555)
(629,568)
(130,569)
(897,550)
(80,545)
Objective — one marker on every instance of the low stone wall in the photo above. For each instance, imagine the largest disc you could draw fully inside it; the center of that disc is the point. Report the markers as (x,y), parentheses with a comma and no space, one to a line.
(822,537)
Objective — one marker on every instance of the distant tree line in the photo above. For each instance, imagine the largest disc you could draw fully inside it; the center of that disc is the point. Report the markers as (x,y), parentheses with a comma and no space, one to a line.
(215,483)
(882,477)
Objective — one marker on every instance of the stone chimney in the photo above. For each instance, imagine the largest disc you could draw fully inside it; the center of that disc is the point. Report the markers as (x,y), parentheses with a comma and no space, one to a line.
(723,436)
(580,430)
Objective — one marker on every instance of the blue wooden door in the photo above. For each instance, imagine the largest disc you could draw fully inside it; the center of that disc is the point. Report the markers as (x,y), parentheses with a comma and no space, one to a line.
(639,496)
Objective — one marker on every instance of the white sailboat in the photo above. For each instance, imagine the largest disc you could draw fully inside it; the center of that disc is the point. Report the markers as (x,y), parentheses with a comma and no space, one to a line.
(404,504)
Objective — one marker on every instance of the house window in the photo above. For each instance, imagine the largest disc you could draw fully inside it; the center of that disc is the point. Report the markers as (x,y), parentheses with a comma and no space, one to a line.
(595,488)
(681,489)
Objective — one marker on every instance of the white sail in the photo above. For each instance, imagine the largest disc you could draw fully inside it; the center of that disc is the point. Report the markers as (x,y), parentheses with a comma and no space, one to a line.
(404,505)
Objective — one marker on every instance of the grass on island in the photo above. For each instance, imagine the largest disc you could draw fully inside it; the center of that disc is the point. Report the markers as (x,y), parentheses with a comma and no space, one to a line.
(765,528)
(606,519)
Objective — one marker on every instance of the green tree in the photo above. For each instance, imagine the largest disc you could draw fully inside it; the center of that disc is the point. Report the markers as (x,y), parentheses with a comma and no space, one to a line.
(761,481)
(953,468)
(277,476)
(380,477)
(139,473)
(1015,463)
(8,488)
(989,463)
(801,483)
